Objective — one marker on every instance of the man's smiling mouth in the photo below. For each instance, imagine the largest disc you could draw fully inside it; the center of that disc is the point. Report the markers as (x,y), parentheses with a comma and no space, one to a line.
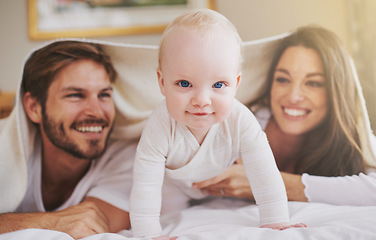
(90,126)
(90,129)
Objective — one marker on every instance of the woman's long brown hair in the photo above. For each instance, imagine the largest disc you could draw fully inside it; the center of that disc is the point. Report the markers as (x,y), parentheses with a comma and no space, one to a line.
(332,148)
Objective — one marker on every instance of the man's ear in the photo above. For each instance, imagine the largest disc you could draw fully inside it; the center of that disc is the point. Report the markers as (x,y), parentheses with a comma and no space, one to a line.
(33,108)
(160,81)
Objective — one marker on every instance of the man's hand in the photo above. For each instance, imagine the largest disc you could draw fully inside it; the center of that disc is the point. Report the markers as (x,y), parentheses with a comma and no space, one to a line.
(78,221)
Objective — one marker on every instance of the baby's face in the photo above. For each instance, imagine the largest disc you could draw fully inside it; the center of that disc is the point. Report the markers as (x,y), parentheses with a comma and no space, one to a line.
(199,77)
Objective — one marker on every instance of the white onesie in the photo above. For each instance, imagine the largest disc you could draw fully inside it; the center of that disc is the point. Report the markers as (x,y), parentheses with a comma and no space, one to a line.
(167,149)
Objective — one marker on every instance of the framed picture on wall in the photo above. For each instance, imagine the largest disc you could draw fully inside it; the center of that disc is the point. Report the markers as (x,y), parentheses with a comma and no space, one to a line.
(50,19)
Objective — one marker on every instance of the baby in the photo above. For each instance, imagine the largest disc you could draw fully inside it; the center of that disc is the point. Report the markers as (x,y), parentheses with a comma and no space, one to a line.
(201,129)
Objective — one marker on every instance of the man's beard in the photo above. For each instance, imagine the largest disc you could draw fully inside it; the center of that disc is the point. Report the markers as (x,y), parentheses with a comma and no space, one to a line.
(56,134)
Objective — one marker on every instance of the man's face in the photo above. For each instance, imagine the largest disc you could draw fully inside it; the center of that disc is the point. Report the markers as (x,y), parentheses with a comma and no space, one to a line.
(79,111)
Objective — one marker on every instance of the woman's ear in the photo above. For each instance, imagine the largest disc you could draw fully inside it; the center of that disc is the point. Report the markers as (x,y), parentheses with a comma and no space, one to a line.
(160,81)
(33,108)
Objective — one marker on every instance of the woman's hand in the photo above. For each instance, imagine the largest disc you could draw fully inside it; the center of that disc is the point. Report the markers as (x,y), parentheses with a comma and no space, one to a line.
(234,183)
(294,187)
(231,183)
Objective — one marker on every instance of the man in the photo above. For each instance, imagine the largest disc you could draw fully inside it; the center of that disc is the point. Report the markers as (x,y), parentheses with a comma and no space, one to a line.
(78,178)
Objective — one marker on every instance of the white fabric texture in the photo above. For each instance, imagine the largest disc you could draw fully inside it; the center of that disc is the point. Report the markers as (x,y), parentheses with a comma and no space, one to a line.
(167,148)
(356,190)
(231,220)
(109,179)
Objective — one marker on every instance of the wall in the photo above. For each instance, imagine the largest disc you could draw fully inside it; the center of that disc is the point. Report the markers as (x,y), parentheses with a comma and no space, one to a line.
(254,19)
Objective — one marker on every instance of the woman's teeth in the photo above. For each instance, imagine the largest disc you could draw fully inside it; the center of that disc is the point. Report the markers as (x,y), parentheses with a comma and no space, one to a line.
(294,112)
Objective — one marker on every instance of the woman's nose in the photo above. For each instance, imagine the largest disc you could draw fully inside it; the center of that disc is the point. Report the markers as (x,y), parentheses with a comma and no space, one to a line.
(296,94)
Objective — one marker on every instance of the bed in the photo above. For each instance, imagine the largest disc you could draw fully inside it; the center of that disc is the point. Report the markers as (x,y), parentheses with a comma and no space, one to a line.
(234,219)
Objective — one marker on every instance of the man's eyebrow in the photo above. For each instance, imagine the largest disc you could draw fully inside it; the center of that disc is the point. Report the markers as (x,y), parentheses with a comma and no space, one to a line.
(107,89)
(66,89)
(77,89)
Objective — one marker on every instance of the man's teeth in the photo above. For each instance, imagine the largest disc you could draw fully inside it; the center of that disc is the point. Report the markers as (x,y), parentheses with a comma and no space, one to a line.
(295,112)
(91,129)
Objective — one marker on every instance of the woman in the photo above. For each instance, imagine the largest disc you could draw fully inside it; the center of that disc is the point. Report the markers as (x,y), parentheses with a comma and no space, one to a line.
(314,116)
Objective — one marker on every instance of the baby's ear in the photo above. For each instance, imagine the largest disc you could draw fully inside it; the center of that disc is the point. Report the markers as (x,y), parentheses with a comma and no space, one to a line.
(161,81)
(238,79)
(32,108)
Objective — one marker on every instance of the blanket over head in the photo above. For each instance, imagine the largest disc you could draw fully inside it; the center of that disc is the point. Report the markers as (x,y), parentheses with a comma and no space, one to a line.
(136,93)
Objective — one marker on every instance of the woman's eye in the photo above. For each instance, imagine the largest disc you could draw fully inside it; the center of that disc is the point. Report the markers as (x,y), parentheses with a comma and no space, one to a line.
(315,84)
(219,85)
(184,83)
(281,80)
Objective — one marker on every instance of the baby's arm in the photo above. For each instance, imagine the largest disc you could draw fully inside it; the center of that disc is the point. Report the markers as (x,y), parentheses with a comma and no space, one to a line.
(266,181)
(264,177)
(148,175)
(267,186)
(146,198)
(270,194)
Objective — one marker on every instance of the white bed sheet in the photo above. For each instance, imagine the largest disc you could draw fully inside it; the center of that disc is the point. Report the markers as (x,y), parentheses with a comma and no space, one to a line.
(216,220)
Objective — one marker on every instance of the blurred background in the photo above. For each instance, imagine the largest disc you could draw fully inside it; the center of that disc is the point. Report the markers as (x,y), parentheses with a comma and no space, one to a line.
(354,21)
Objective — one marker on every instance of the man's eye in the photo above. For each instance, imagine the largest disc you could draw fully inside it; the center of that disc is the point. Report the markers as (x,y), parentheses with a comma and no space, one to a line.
(184,83)
(105,95)
(219,85)
(75,95)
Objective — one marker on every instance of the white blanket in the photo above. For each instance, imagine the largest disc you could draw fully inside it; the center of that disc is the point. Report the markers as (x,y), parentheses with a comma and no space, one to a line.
(225,219)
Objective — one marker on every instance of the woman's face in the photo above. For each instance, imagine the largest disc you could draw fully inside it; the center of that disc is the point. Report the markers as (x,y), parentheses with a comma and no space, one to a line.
(298,94)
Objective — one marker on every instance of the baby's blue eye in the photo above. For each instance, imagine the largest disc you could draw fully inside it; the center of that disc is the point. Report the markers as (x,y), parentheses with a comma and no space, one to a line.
(218,85)
(184,83)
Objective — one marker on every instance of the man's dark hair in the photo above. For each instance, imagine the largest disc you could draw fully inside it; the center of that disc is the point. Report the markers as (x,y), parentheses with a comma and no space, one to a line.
(44,64)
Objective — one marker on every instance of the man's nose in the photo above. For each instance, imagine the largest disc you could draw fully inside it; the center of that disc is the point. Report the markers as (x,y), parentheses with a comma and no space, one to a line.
(93,107)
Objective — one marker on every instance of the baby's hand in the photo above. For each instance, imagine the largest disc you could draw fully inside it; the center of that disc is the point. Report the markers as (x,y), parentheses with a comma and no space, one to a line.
(283,226)
(165,237)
